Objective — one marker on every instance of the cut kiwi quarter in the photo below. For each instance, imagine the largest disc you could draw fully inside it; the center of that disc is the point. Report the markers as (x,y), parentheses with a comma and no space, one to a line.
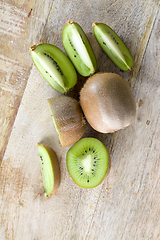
(55,66)
(113,46)
(87,162)
(67,118)
(49,168)
(78,49)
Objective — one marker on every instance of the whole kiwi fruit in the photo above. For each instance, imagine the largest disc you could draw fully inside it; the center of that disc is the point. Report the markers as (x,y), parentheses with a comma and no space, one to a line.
(107,102)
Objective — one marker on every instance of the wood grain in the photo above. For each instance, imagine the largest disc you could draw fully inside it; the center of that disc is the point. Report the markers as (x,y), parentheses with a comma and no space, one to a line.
(20,28)
(126,205)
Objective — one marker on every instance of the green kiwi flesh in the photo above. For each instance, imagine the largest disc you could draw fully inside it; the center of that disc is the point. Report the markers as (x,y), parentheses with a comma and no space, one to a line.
(113,46)
(78,49)
(55,66)
(87,162)
(49,168)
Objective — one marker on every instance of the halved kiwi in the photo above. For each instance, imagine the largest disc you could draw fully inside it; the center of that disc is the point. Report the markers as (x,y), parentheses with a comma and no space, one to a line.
(50,169)
(67,118)
(87,162)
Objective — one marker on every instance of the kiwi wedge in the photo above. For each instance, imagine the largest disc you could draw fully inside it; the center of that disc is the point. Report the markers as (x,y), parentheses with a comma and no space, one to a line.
(50,169)
(78,49)
(67,118)
(55,66)
(87,162)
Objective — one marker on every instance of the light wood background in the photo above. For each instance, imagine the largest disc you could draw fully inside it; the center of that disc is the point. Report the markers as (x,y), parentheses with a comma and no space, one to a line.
(127,204)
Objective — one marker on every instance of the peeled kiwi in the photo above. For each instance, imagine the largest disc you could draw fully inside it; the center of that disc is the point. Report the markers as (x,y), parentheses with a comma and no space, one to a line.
(108,102)
(50,169)
(78,48)
(54,66)
(87,162)
(68,119)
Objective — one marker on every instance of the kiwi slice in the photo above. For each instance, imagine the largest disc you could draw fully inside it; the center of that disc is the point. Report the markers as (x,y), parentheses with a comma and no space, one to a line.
(87,162)
(50,169)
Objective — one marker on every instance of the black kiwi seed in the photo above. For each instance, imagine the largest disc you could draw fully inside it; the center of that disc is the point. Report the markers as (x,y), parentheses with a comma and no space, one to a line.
(112,37)
(70,43)
(58,68)
(72,47)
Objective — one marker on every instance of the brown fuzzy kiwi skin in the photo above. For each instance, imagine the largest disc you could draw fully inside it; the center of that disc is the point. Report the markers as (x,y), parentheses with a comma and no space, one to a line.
(68,119)
(55,167)
(107,102)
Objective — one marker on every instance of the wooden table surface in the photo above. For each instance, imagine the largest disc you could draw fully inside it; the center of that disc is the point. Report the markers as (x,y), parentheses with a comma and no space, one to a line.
(127,204)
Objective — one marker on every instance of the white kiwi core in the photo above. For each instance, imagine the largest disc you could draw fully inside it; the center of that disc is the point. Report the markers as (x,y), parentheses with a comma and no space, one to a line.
(86,163)
(113,46)
(80,47)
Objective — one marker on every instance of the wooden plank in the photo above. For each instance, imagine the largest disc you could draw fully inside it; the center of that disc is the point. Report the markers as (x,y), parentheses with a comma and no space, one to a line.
(22,25)
(126,205)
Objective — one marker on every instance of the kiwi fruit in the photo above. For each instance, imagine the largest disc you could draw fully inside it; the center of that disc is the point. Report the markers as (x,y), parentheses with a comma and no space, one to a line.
(55,66)
(108,102)
(113,46)
(78,49)
(87,162)
(49,168)
(68,119)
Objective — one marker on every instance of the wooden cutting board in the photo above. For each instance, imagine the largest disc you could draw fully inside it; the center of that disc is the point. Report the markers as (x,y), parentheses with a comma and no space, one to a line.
(126,204)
